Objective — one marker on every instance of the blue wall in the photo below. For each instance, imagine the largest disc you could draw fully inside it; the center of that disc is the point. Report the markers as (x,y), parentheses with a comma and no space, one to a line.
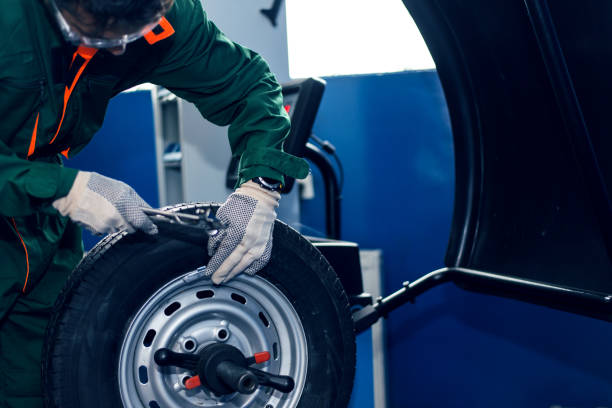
(452,348)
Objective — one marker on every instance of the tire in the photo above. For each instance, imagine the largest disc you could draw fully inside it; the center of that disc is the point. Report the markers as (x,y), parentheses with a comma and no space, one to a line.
(106,296)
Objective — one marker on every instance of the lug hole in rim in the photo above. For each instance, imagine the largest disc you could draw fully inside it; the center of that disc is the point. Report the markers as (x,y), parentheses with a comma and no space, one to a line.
(222,334)
(238,298)
(172,308)
(148,340)
(263,319)
(189,345)
(205,294)
(143,374)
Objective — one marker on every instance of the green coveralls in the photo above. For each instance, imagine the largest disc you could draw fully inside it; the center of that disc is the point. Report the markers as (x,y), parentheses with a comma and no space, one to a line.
(38,248)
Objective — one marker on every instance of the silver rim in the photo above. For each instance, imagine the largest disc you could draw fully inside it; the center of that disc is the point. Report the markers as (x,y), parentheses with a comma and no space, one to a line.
(188,314)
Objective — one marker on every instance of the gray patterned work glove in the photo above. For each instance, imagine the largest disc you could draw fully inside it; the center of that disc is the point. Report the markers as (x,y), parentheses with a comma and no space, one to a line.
(246,244)
(104,205)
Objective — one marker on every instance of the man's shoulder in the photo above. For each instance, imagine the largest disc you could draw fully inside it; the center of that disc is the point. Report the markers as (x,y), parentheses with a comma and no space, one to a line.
(182,6)
(183,12)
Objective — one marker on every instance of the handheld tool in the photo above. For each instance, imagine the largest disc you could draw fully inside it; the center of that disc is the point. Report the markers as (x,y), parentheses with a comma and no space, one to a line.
(223,369)
(193,227)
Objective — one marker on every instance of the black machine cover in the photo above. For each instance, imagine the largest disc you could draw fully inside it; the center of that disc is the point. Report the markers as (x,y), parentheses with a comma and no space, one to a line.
(528,86)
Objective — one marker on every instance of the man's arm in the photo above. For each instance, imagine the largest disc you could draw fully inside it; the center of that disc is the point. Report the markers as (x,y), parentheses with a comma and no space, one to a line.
(96,202)
(27,187)
(230,85)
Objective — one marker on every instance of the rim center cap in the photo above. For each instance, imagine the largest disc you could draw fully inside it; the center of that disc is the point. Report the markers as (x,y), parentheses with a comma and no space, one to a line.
(223,369)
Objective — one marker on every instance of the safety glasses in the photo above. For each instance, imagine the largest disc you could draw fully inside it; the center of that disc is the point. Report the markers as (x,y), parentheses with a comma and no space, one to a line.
(77,39)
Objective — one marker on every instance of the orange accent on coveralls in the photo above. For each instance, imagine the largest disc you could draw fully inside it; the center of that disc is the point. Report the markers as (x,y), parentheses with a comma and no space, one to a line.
(152,38)
(87,54)
(26,253)
(33,139)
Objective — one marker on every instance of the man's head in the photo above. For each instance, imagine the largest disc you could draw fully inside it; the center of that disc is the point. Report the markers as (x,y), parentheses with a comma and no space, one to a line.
(109,24)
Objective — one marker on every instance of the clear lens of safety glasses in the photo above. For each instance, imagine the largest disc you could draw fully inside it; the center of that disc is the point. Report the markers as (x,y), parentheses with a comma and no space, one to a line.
(77,39)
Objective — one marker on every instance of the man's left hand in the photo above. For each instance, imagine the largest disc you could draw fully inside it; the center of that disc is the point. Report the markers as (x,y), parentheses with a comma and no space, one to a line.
(246,244)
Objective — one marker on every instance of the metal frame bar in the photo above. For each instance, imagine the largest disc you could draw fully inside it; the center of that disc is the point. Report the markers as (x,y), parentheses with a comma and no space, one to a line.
(594,304)
(332,189)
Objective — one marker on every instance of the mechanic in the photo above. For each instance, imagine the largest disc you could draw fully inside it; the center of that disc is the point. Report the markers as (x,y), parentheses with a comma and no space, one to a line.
(61,61)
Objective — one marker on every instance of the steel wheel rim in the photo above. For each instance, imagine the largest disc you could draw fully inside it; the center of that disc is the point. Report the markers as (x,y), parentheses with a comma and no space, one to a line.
(189,313)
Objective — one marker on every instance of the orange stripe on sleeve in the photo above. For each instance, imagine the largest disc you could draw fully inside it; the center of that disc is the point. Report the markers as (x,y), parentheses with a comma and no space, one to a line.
(26,254)
(33,139)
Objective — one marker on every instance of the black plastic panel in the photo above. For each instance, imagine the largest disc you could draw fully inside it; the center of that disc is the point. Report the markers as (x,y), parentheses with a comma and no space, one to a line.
(343,256)
(524,204)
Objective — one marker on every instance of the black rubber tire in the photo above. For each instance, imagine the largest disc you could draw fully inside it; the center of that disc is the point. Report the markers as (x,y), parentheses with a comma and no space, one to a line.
(81,353)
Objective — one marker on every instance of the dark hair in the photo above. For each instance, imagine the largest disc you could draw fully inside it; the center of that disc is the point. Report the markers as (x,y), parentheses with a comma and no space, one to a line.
(120,15)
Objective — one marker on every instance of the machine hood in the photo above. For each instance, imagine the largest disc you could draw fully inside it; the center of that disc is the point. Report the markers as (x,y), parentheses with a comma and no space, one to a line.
(528,88)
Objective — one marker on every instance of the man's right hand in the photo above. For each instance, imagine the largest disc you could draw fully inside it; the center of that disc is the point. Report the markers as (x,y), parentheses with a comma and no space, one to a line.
(104,205)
